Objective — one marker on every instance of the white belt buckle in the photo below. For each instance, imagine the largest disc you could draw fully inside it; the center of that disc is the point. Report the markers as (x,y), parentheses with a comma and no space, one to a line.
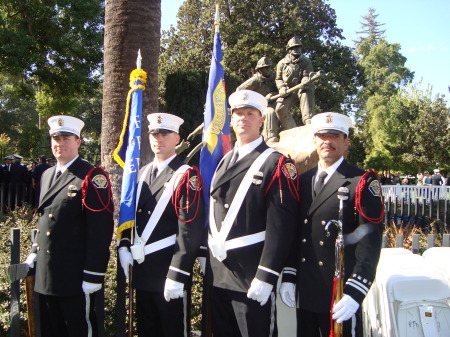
(137,250)
(218,249)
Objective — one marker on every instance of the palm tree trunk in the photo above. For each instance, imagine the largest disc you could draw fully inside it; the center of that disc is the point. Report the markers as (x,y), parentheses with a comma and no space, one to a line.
(130,25)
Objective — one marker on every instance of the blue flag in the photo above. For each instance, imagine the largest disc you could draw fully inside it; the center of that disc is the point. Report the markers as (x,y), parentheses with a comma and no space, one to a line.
(216,126)
(128,152)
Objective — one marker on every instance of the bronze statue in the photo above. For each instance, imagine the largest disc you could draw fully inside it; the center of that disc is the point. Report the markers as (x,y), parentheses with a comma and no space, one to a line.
(295,69)
(263,82)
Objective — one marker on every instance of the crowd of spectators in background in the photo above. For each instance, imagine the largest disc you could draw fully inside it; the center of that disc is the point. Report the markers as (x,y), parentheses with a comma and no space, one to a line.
(20,182)
(421,179)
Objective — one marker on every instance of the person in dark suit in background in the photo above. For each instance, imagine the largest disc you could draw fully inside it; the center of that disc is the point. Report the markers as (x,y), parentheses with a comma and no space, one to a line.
(308,279)
(169,231)
(18,178)
(37,174)
(75,230)
(253,212)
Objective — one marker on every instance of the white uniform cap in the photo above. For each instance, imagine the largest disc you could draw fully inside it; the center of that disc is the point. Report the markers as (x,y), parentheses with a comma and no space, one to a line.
(17,156)
(247,99)
(331,122)
(65,126)
(161,122)
(436,171)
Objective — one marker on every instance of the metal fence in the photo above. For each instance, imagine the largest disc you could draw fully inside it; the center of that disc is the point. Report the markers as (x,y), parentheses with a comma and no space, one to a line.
(418,205)
(16,194)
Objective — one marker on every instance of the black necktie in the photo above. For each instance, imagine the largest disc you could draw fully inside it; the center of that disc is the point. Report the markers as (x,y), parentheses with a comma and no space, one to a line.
(320,182)
(154,173)
(234,157)
(58,173)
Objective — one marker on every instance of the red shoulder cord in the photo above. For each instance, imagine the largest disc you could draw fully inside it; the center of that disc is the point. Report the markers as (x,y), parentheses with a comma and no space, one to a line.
(184,185)
(358,195)
(85,186)
(293,184)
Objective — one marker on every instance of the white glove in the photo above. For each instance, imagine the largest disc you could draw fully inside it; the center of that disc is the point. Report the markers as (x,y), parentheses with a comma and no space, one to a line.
(31,259)
(90,288)
(202,261)
(259,291)
(173,289)
(287,293)
(126,260)
(344,309)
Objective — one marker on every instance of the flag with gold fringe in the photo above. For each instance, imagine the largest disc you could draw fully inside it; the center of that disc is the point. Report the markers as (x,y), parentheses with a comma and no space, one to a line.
(216,126)
(127,153)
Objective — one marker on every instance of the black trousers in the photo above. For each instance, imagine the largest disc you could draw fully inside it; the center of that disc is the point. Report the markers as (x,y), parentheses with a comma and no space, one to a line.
(235,315)
(71,316)
(158,318)
(311,324)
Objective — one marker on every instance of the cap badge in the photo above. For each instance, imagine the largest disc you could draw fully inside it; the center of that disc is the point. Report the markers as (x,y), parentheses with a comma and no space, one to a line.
(329,119)
(60,121)
(245,96)
(159,119)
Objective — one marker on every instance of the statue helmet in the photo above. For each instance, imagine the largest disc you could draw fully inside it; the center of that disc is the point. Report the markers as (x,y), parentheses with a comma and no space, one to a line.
(264,62)
(295,41)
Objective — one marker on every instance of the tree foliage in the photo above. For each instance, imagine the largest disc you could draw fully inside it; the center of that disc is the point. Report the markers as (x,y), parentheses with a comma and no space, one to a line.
(252,29)
(50,62)
(54,44)
(415,130)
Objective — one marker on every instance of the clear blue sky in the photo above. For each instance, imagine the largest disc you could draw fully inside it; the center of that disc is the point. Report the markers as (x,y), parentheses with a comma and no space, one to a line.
(422,28)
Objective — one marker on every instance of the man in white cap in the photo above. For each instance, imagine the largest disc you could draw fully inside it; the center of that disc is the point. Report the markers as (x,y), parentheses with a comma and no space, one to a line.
(75,229)
(252,221)
(312,264)
(167,237)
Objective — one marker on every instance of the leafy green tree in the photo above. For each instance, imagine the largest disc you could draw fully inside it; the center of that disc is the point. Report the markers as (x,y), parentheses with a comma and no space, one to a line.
(50,61)
(54,44)
(252,29)
(415,130)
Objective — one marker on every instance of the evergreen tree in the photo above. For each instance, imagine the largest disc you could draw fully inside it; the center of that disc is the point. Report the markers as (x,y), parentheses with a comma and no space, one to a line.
(370,29)
(384,70)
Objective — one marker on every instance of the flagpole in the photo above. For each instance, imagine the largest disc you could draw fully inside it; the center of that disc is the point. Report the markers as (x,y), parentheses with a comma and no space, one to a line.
(127,154)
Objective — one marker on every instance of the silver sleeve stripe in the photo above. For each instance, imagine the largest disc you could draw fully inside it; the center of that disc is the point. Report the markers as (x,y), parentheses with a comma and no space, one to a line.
(358,285)
(291,270)
(362,285)
(93,273)
(203,247)
(268,270)
(180,271)
(125,239)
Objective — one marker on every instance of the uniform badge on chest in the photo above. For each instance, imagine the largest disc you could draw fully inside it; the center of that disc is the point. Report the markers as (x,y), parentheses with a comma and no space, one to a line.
(257,178)
(72,191)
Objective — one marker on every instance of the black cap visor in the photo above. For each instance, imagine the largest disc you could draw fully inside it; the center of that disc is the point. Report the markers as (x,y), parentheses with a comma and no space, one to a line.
(160,131)
(337,132)
(62,133)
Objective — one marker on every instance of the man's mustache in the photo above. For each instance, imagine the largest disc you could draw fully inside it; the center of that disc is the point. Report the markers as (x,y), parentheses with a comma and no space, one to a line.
(328,147)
